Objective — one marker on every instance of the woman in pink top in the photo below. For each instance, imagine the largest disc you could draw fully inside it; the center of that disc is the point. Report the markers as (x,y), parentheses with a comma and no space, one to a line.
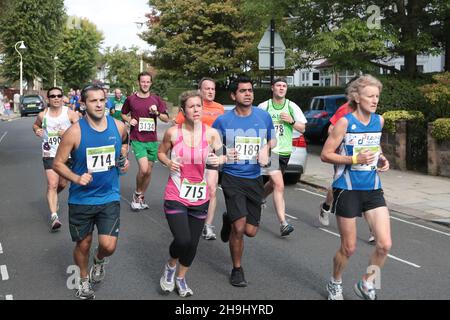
(186,197)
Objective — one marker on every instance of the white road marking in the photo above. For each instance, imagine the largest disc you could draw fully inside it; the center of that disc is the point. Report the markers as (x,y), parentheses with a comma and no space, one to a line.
(292,217)
(418,225)
(307,191)
(3,136)
(394,218)
(1,249)
(9,297)
(4,272)
(389,255)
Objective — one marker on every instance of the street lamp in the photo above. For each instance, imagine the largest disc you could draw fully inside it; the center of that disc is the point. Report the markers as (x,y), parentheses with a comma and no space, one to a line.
(54,77)
(141,54)
(22,46)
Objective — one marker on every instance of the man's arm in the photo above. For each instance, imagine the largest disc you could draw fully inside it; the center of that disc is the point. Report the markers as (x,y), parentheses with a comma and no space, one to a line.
(37,125)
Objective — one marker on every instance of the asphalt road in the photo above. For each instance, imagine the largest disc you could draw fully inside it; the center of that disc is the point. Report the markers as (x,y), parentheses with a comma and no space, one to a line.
(34,262)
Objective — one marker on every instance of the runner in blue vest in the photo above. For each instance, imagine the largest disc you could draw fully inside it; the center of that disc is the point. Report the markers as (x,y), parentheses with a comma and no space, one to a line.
(98,147)
(354,146)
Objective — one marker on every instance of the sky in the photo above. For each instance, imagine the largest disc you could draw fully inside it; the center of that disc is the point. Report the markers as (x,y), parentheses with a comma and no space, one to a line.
(115,18)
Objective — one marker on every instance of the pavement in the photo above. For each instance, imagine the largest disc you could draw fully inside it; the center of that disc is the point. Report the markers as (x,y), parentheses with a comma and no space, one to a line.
(11,117)
(414,194)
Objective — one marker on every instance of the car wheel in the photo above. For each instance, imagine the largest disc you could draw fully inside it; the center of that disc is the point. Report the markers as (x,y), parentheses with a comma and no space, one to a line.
(292,178)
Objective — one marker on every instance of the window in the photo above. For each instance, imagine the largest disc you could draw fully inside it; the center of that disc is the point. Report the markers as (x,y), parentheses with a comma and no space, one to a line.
(317,104)
(316,76)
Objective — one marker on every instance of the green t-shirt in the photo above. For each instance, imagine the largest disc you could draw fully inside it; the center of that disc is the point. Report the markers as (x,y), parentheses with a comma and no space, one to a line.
(117,104)
(283,129)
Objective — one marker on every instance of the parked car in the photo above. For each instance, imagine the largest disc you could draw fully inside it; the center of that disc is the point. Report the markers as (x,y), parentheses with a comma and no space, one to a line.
(31,104)
(299,155)
(321,109)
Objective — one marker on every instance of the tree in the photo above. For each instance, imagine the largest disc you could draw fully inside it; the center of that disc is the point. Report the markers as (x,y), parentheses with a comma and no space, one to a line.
(79,52)
(349,28)
(123,67)
(199,38)
(38,23)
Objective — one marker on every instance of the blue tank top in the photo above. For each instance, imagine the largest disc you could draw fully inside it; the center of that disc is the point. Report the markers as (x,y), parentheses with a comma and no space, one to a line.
(358,138)
(97,153)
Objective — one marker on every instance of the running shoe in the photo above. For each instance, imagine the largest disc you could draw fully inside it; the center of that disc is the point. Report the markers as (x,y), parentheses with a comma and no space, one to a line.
(208,232)
(371,239)
(324,216)
(285,230)
(167,281)
(55,224)
(138,202)
(97,271)
(334,291)
(237,277)
(365,290)
(226,228)
(182,288)
(84,291)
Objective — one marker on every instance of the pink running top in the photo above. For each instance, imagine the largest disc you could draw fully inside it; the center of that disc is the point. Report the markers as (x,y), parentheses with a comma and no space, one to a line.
(188,186)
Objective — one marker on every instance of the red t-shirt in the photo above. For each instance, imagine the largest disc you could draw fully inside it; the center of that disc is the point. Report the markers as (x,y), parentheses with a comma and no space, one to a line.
(211,110)
(340,112)
(139,108)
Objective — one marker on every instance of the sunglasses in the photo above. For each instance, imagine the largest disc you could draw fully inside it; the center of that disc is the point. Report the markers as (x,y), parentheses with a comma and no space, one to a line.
(53,96)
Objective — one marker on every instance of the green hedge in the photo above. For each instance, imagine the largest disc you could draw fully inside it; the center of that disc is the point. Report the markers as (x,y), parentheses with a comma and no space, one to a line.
(173,94)
(441,129)
(391,117)
(300,95)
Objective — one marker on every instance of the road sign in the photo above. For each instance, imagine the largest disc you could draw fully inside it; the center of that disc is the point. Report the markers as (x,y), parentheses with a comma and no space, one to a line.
(264,51)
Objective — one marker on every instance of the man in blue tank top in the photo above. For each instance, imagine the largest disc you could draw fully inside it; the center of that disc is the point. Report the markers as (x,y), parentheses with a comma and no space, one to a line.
(354,147)
(248,134)
(97,145)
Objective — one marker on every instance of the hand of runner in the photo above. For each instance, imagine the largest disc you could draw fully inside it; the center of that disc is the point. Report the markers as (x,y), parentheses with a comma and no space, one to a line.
(366,157)
(174,166)
(285,117)
(133,122)
(85,179)
(263,158)
(213,159)
(383,164)
(125,167)
(153,109)
(40,132)
(232,155)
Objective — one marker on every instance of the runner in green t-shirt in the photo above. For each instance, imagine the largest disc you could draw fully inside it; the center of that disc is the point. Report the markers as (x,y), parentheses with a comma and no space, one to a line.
(117,103)
(287,117)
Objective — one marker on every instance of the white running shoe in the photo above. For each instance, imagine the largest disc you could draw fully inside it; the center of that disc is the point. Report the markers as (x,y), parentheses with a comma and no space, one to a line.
(97,271)
(84,291)
(138,202)
(55,224)
(335,291)
(208,232)
(167,281)
(183,290)
(324,216)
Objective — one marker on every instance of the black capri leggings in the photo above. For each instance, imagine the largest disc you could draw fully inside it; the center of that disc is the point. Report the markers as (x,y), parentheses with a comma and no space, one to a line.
(186,225)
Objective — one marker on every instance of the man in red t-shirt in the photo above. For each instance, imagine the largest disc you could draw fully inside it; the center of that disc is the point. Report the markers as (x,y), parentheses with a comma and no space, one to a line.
(211,110)
(145,109)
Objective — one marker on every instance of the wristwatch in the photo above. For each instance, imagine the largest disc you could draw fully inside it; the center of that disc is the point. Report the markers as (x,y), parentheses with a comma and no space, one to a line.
(292,123)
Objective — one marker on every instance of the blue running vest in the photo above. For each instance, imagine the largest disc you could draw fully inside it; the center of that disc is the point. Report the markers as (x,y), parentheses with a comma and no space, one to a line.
(358,138)
(99,151)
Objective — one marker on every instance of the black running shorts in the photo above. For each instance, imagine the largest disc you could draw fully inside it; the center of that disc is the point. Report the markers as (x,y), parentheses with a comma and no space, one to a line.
(82,219)
(243,198)
(352,203)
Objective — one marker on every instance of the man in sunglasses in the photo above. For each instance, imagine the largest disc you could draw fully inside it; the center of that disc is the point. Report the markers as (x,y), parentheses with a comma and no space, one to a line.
(50,125)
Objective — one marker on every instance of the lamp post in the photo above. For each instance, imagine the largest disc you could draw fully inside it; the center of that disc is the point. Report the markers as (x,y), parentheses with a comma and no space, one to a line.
(141,54)
(22,46)
(55,59)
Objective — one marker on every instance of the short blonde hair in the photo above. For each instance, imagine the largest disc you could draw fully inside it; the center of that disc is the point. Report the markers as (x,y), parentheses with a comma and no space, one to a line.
(354,88)
(187,95)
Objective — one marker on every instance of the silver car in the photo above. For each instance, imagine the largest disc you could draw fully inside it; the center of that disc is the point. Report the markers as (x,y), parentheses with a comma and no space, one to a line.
(297,161)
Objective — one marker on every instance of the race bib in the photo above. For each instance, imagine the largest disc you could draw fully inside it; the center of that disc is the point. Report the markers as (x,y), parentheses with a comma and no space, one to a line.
(279,129)
(54,139)
(100,159)
(367,167)
(247,148)
(193,192)
(147,124)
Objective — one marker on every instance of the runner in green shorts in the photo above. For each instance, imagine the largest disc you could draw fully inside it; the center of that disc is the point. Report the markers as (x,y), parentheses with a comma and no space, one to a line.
(142,111)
